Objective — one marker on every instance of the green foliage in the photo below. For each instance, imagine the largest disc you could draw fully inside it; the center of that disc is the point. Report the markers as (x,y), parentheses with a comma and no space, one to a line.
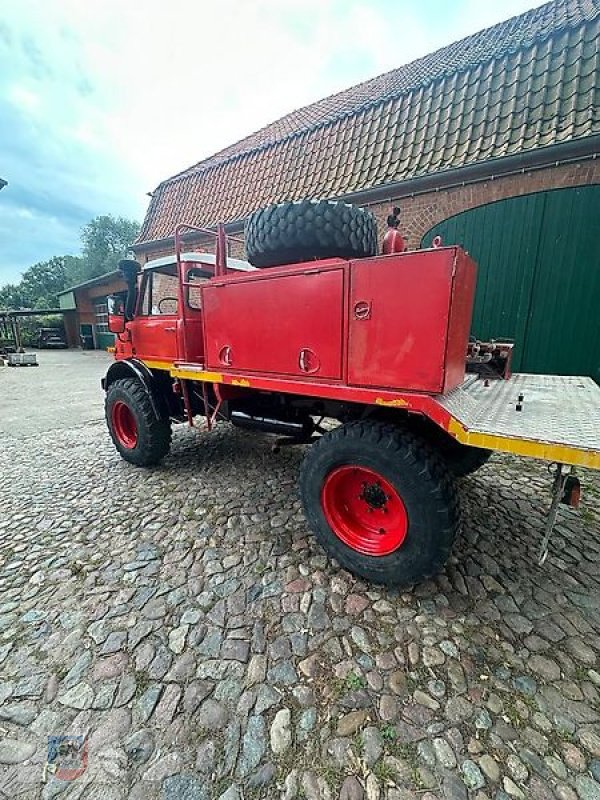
(11,296)
(105,240)
(30,327)
(354,681)
(41,283)
(388,733)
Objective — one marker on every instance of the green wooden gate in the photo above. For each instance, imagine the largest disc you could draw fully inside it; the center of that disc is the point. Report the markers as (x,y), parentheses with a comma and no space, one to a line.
(539,276)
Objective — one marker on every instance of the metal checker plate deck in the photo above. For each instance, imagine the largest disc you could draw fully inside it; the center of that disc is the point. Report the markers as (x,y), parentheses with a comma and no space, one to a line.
(556,409)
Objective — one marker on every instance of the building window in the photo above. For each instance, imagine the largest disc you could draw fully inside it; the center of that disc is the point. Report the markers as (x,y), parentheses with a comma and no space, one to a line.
(101,317)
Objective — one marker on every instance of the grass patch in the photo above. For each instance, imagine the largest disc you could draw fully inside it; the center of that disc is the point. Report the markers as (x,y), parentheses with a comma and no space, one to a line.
(407,751)
(388,733)
(513,716)
(351,683)
(142,682)
(354,682)
(332,775)
(384,773)
(358,744)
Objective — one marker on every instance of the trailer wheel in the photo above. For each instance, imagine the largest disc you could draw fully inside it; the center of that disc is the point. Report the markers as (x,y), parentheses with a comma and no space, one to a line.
(138,435)
(381,502)
(288,233)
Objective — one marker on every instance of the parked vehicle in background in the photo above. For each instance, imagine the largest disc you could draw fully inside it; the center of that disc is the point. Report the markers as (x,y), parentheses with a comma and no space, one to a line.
(51,338)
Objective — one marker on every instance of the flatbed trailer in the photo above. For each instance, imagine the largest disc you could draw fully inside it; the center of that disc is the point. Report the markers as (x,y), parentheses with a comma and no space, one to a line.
(378,343)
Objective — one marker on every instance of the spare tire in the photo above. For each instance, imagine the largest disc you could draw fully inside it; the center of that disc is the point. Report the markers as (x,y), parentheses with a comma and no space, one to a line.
(287,233)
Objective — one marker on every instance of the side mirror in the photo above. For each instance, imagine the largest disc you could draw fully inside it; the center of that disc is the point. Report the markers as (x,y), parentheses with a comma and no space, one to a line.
(116,314)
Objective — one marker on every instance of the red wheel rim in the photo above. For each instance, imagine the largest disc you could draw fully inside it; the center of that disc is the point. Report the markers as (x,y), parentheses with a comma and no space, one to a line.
(364,510)
(124,425)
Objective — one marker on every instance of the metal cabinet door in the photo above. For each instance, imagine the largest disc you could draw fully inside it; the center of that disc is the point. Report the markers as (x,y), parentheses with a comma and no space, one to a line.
(399,308)
(287,324)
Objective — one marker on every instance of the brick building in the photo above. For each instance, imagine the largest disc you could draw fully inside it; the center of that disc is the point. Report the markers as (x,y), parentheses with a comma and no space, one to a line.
(491,142)
(85,311)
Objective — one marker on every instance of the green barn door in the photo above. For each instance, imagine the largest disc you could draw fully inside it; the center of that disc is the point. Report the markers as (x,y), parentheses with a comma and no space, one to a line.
(539,276)
(563,333)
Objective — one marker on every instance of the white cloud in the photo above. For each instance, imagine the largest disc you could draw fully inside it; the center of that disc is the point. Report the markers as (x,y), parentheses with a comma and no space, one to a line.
(24,98)
(112,97)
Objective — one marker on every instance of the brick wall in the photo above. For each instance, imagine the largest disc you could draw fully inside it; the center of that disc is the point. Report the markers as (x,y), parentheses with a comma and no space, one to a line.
(421,212)
(236,249)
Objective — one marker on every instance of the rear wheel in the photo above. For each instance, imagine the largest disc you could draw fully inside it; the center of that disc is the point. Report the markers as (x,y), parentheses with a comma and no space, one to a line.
(468,460)
(462,459)
(138,435)
(381,502)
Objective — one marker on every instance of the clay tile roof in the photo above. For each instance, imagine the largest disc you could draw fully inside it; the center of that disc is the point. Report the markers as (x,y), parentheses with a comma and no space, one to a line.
(526,83)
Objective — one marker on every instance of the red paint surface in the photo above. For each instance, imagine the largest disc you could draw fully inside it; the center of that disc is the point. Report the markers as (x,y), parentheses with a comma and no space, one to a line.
(459,323)
(386,330)
(364,510)
(276,323)
(124,425)
(154,337)
(411,339)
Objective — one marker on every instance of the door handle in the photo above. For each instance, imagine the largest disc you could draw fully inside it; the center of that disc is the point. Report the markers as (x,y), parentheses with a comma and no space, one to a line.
(170,330)
(362,310)
(308,361)
(225,355)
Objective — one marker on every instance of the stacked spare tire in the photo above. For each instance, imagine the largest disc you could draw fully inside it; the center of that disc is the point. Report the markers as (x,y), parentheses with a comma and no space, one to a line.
(292,232)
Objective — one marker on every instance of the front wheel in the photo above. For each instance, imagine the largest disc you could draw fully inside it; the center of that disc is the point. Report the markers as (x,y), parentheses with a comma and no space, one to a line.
(138,435)
(381,502)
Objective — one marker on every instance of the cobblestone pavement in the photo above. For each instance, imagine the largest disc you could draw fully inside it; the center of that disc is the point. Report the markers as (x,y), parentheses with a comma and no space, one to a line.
(185,620)
(32,399)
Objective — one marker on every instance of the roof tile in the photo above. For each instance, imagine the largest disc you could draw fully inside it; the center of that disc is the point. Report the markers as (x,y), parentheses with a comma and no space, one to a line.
(529,82)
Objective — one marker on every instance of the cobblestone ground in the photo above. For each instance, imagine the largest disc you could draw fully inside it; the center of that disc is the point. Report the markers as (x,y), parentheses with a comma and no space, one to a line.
(185,620)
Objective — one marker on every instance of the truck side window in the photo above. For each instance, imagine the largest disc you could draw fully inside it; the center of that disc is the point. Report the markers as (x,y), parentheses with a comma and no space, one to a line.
(165,288)
(194,296)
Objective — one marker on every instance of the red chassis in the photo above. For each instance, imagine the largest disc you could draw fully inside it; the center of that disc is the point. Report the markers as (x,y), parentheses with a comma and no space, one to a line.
(379,344)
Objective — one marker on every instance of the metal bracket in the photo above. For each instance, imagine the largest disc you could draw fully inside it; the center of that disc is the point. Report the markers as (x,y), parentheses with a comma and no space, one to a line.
(187,402)
(558,488)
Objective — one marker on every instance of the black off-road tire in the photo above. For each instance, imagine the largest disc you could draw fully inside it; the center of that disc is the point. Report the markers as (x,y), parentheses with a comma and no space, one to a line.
(288,233)
(467,460)
(462,459)
(153,435)
(419,476)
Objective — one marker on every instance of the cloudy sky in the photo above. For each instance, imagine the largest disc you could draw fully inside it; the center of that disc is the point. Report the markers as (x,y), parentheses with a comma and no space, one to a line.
(100,100)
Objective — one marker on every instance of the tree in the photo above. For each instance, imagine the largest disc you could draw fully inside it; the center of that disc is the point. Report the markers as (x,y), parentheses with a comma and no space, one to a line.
(75,271)
(11,296)
(106,239)
(41,283)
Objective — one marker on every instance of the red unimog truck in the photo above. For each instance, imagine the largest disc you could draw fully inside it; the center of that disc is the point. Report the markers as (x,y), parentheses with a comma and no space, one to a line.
(317,326)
